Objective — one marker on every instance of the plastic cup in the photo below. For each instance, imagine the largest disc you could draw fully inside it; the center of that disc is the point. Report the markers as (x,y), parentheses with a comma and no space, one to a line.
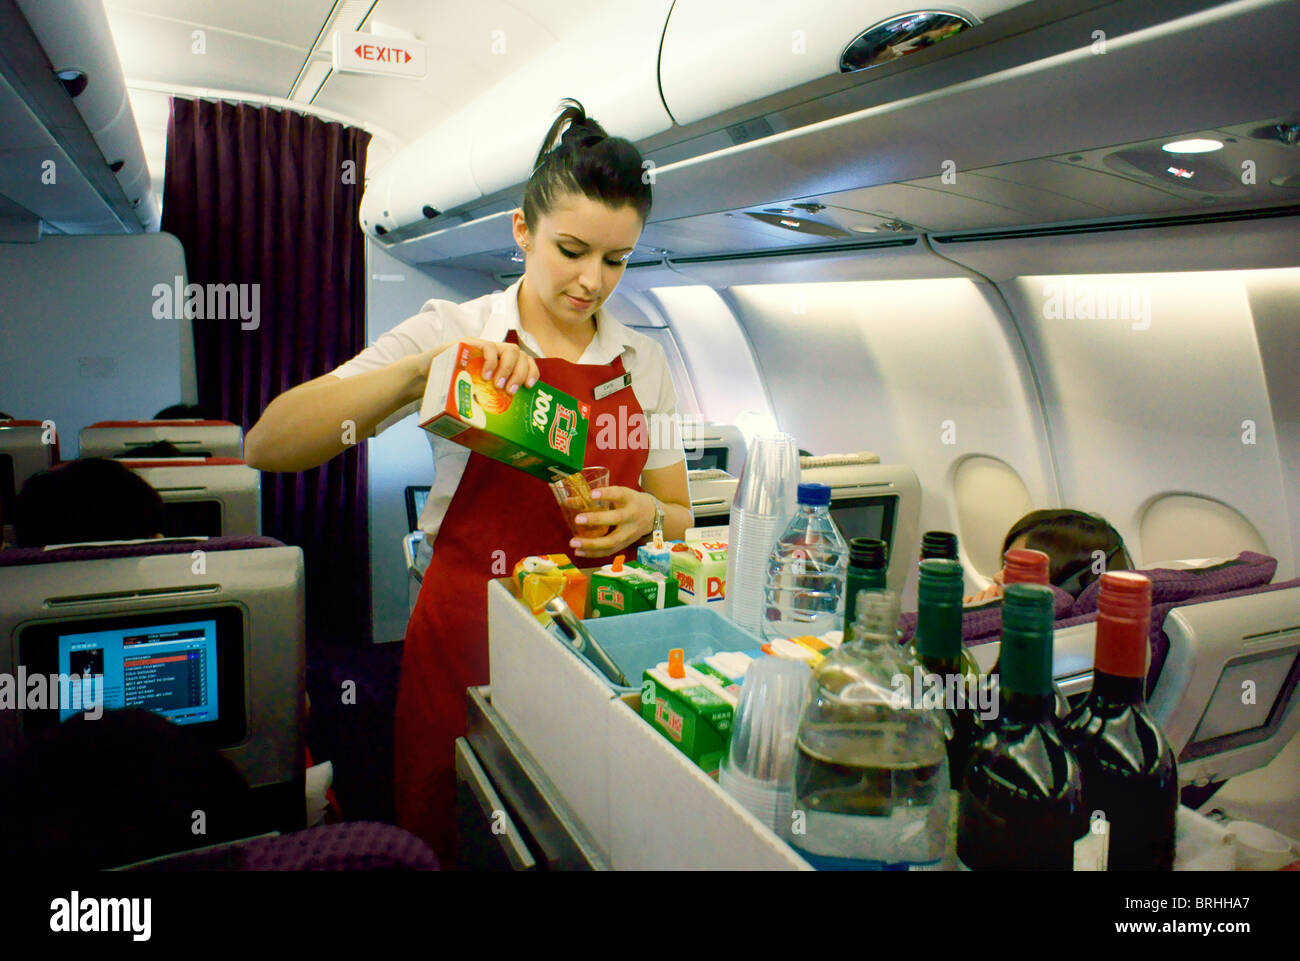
(759,770)
(573,493)
(1260,848)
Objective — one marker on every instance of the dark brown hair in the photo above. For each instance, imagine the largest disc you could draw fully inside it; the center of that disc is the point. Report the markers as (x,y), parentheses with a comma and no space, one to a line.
(1069,538)
(585,160)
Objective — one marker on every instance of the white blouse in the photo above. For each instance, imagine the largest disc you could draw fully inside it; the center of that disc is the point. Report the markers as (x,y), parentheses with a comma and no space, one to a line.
(490,317)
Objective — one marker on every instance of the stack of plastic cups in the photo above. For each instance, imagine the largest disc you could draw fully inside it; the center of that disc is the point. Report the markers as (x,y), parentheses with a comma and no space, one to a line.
(758,770)
(766,499)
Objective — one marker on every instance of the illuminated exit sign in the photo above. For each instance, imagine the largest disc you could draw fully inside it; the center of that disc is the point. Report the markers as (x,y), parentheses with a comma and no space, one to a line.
(372,53)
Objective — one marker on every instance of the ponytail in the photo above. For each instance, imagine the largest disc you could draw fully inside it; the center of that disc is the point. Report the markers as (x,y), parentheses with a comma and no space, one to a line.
(578,156)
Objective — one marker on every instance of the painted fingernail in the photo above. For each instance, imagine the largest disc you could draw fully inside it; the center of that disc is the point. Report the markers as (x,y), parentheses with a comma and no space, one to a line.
(532,382)
(513,388)
(580,519)
(501,382)
(487,374)
(573,543)
(595,495)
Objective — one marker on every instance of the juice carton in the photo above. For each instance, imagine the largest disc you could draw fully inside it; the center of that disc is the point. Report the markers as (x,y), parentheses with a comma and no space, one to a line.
(690,709)
(656,558)
(540,430)
(540,576)
(629,588)
(700,569)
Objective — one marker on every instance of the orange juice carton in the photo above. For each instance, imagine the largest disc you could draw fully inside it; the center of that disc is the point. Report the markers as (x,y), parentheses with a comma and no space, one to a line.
(539,429)
(542,576)
(700,569)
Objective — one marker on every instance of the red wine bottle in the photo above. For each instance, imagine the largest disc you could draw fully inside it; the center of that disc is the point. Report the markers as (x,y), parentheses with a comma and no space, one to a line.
(1023,566)
(1021,805)
(1130,776)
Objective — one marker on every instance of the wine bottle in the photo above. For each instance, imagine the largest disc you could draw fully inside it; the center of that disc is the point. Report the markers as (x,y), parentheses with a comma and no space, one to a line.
(1130,775)
(1021,802)
(939,545)
(937,648)
(868,561)
(1023,566)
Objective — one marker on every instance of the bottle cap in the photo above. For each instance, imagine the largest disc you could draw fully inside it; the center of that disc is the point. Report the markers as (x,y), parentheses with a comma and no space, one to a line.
(1025,660)
(677,662)
(938,619)
(1123,619)
(814,495)
(1021,566)
(868,552)
(939,544)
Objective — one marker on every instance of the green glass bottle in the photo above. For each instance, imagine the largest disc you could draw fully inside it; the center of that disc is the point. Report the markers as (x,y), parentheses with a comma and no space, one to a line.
(937,648)
(868,562)
(1021,803)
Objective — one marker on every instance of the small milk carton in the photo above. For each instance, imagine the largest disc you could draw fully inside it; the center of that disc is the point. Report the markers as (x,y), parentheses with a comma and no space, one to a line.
(700,570)
(539,429)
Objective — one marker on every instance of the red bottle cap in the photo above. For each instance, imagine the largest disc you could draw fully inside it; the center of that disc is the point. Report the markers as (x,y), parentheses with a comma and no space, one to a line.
(1022,566)
(1123,619)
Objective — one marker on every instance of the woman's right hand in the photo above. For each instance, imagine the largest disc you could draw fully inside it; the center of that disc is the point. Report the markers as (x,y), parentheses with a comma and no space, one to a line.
(990,593)
(506,364)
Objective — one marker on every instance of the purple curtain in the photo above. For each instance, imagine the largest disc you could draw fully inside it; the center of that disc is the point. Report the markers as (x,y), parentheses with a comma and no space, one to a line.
(265,197)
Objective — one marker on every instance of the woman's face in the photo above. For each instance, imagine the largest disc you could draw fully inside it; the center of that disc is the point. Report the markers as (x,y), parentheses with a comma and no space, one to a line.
(578,253)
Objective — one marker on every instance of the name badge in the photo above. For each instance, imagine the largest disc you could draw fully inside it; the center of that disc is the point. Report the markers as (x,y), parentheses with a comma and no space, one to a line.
(612,386)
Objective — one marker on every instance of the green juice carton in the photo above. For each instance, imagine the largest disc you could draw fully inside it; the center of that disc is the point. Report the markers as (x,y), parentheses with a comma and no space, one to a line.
(629,588)
(539,429)
(689,708)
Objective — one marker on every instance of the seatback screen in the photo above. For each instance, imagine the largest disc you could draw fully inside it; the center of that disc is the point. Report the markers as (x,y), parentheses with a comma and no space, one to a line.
(170,670)
(866,517)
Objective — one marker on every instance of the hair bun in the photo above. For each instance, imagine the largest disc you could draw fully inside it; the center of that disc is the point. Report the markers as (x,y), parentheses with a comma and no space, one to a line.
(581,133)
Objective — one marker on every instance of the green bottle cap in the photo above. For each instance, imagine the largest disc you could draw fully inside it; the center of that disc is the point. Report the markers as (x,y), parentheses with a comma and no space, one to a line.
(938,621)
(1025,660)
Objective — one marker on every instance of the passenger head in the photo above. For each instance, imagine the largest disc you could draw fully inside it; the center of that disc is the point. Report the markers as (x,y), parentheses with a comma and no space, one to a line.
(583,211)
(180,412)
(86,500)
(1071,539)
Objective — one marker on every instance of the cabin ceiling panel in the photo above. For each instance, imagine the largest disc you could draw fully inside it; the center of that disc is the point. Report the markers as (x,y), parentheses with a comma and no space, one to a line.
(254,52)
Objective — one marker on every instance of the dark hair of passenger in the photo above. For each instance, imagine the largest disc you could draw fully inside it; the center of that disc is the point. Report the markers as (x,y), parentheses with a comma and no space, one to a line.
(181,412)
(86,500)
(1070,538)
(588,161)
(112,791)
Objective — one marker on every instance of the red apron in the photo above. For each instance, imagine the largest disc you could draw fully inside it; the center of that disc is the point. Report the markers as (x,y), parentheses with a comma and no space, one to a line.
(495,509)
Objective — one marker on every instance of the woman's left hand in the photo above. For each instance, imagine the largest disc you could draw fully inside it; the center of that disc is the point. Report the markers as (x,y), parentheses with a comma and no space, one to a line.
(630,514)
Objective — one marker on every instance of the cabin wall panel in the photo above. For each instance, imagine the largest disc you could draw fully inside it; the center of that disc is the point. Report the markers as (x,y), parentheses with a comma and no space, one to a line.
(84,336)
(1159,388)
(400,456)
(924,373)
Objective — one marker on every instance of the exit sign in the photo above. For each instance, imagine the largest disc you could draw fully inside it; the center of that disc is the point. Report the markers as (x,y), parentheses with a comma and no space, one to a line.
(372,53)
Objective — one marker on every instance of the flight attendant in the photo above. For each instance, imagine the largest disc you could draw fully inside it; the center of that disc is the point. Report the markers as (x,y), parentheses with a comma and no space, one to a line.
(583,211)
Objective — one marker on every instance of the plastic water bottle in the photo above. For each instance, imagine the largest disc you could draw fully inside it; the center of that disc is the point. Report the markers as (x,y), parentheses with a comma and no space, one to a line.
(804,593)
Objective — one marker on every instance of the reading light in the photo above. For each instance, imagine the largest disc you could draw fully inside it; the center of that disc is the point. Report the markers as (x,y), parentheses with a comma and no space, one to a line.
(1193,146)
(74,81)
